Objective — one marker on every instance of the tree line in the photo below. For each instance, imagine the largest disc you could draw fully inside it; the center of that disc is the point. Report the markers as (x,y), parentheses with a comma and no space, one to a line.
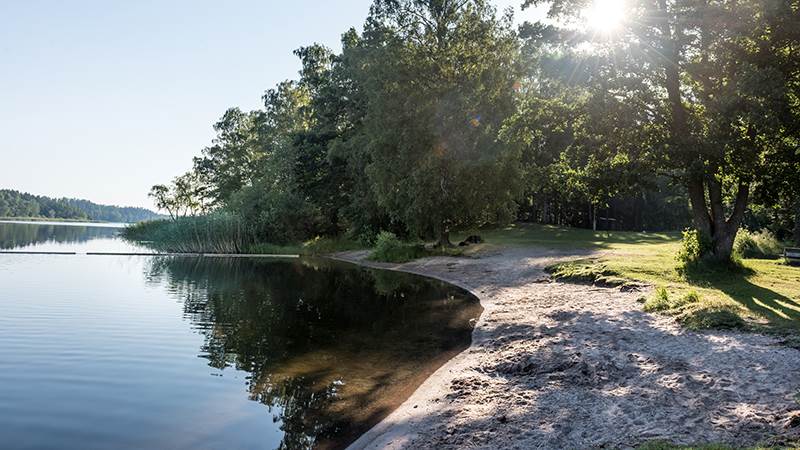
(442,115)
(21,204)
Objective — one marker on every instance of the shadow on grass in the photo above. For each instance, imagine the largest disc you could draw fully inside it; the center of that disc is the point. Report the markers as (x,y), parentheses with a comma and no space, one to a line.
(734,281)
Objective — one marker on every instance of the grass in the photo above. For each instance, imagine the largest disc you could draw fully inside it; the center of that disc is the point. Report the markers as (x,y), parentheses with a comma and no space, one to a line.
(559,238)
(762,293)
(312,247)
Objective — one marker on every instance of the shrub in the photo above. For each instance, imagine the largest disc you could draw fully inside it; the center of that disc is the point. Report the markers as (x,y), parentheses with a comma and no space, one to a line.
(389,248)
(759,244)
(693,247)
(659,301)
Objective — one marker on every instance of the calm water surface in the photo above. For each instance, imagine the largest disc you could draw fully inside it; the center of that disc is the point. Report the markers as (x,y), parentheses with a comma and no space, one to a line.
(104,352)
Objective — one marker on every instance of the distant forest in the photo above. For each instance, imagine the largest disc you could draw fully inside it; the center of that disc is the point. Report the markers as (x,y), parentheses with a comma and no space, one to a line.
(22,204)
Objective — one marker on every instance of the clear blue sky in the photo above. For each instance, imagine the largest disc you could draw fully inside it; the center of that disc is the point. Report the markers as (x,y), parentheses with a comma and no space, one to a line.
(102,99)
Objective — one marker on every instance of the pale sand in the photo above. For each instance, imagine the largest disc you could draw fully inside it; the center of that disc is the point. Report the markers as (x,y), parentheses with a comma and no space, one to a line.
(557,366)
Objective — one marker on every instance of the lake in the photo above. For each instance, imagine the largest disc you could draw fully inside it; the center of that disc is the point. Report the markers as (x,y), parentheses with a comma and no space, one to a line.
(133,352)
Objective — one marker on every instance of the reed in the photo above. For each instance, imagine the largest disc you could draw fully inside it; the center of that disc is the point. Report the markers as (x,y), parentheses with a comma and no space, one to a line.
(213,233)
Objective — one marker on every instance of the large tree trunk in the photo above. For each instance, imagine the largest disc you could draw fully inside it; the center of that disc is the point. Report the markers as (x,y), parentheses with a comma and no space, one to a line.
(697,197)
(443,239)
(443,236)
(709,217)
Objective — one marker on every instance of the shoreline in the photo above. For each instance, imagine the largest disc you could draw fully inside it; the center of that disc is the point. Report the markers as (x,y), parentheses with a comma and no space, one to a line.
(555,365)
(49,219)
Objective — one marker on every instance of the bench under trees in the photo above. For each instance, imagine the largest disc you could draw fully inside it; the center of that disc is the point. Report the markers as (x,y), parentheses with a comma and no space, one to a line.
(792,255)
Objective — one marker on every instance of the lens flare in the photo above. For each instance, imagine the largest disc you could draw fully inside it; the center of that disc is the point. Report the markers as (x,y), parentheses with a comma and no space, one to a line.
(605,16)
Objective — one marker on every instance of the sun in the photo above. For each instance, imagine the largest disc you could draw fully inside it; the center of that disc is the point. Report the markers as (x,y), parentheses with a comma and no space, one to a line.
(605,16)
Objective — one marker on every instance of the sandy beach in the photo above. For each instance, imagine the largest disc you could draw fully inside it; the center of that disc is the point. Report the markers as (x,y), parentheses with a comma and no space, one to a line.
(556,365)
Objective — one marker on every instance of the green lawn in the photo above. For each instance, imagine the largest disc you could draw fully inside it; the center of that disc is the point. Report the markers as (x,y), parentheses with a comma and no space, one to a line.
(763,294)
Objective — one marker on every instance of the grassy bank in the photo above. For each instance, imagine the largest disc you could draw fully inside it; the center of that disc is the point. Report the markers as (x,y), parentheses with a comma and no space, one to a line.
(763,293)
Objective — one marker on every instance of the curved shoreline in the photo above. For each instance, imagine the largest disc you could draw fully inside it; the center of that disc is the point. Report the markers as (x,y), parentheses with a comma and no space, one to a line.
(380,429)
(390,432)
(553,365)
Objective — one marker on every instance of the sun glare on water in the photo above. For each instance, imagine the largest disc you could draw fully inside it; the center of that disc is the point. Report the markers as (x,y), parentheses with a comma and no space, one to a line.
(605,16)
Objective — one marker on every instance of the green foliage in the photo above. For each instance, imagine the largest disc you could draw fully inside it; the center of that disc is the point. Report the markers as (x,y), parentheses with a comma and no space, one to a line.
(439,117)
(389,248)
(184,196)
(717,111)
(276,215)
(758,244)
(694,246)
(439,81)
(232,161)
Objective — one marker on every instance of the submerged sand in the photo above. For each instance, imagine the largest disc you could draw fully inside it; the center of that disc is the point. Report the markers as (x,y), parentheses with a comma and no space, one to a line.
(556,365)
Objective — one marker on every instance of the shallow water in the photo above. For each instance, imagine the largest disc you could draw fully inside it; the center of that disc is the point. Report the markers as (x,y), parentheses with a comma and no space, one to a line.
(157,352)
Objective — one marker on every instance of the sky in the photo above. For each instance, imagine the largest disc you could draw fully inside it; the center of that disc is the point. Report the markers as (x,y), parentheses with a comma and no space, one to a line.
(102,99)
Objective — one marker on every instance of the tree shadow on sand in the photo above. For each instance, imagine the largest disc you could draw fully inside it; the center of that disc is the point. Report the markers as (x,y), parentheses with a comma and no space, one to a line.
(589,380)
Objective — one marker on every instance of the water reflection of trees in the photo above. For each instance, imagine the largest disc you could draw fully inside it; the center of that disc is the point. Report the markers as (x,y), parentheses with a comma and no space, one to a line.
(330,348)
(17,235)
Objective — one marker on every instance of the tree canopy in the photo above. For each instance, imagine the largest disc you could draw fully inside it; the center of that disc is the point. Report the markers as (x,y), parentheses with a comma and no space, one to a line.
(441,116)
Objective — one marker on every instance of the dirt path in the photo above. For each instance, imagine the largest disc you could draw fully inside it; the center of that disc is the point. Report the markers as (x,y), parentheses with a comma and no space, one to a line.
(565,366)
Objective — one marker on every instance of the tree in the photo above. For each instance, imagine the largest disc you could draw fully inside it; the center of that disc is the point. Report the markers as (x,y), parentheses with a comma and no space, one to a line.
(164,201)
(232,161)
(719,80)
(183,196)
(581,142)
(438,79)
